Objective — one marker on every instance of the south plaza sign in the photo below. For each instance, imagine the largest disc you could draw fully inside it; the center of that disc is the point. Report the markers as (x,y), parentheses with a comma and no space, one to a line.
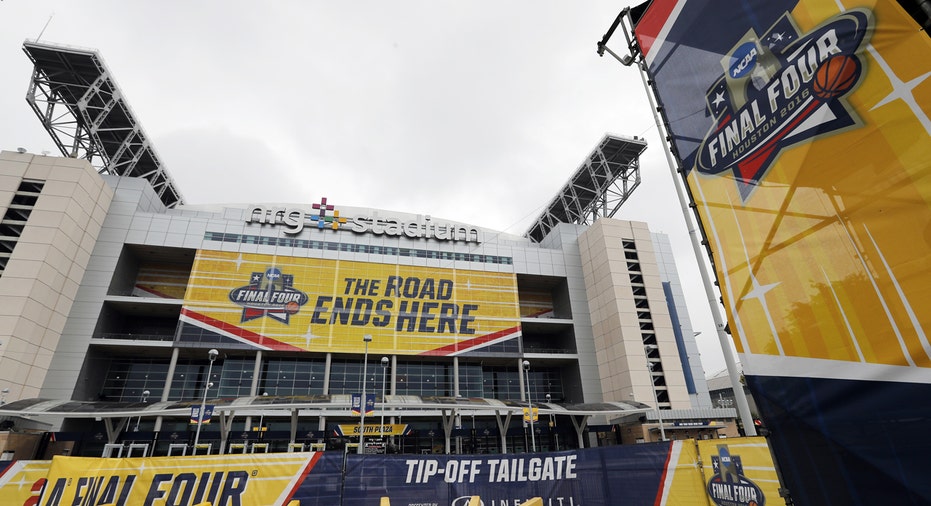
(293,220)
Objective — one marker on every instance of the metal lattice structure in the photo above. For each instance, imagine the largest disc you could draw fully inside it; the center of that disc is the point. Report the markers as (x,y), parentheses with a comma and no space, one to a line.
(599,187)
(81,107)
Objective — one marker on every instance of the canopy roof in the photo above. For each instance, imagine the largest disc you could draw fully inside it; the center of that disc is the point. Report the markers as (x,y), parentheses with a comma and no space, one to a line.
(333,404)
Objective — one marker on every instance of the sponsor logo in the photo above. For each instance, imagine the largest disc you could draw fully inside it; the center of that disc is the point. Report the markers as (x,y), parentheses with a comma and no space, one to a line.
(729,486)
(326,216)
(780,89)
(270,293)
(548,501)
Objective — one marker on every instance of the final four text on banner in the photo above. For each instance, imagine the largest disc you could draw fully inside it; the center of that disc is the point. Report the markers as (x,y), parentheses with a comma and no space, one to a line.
(310,304)
(248,480)
(803,131)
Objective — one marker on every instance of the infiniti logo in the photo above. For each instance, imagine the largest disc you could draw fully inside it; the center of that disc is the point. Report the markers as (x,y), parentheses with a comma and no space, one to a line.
(464,501)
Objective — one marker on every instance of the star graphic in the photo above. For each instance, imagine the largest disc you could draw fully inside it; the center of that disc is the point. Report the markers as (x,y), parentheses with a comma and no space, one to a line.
(718,98)
(23,481)
(308,336)
(902,90)
(758,291)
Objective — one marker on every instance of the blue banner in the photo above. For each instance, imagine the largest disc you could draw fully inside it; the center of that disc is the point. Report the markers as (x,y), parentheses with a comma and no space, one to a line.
(195,414)
(629,475)
(369,404)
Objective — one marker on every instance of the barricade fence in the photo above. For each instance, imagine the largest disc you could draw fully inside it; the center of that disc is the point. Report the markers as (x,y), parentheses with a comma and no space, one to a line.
(731,472)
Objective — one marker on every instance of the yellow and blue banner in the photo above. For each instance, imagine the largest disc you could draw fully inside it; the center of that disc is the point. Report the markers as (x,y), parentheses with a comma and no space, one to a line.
(311,304)
(22,481)
(166,281)
(352,430)
(356,404)
(197,418)
(803,130)
(261,479)
(732,472)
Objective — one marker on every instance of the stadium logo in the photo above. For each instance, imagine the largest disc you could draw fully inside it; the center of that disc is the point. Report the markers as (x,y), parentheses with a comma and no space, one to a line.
(326,216)
(729,486)
(323,221)
(270,294)
(779,90)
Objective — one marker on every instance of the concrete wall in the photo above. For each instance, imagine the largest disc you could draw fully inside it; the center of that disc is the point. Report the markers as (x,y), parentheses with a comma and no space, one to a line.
(47,265)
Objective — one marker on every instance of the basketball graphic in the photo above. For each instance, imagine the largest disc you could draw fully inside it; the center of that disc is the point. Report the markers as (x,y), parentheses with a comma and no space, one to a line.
(292,307)
(836,76)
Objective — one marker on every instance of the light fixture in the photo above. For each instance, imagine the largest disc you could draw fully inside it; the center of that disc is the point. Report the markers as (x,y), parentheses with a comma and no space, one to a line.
(384,371)
(145,395)
(212,356)
(533,439)
(367,338)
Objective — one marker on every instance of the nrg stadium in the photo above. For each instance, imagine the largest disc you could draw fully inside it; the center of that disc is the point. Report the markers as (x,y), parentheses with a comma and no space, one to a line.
(135,322)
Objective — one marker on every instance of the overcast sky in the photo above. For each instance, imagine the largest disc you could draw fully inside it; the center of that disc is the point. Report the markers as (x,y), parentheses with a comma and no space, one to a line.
(472,111)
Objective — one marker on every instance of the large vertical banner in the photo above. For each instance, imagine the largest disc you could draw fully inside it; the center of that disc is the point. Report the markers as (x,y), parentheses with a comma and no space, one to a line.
(310,304)
(805,133)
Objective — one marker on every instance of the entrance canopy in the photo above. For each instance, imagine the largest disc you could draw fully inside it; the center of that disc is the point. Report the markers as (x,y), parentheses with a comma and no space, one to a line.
(447,408)
(327,405)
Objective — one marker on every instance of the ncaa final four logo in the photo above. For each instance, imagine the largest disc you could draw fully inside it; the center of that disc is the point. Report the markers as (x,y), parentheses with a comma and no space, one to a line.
(270,293)
(780,89)
(729,486)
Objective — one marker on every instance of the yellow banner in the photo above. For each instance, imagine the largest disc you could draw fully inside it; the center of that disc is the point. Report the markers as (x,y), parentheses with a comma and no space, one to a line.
(259,480)
(307,304)
(527,415)
(722,472)
(161,280)
(822,244)
(22,482)
(739,471)
(684,484)
(397,429)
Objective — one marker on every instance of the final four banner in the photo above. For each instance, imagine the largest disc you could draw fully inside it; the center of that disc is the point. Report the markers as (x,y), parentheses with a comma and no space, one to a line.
(266,480)
(733,472)
(307,304)
(805,133)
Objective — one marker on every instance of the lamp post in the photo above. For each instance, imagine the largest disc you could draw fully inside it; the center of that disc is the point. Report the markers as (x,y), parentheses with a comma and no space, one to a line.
(553,425)
(262,419)
(145,395)
(212,355)
(384,371)
(533,439)
(659,414)
(367,338)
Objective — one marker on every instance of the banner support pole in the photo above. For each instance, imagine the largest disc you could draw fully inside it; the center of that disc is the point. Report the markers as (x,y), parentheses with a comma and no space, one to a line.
(743,406)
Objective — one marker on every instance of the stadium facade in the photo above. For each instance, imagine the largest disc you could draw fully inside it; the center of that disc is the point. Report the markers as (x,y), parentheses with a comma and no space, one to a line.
(112,299)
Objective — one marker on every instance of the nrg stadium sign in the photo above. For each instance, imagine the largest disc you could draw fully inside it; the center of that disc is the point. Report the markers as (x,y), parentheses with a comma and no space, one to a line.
(293,220)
